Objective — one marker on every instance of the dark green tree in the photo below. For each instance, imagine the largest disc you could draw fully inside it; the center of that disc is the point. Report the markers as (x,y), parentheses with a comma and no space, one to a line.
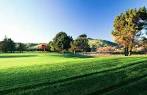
(21,47)
(62,41)
(8,45)
(80,44)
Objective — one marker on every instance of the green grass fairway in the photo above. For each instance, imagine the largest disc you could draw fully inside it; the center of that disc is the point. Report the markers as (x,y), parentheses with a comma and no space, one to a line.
(56,74)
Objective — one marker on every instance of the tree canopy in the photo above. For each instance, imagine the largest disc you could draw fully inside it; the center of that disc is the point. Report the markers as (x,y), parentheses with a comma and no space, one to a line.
(126,27)
(80,44)
(7,45)
(62,41)
(21,47)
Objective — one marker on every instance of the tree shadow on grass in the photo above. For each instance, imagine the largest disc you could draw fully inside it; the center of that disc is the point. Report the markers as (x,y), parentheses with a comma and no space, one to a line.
(16,56)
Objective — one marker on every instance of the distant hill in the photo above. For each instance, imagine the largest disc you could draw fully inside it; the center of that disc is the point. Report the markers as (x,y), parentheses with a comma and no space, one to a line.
(100,43)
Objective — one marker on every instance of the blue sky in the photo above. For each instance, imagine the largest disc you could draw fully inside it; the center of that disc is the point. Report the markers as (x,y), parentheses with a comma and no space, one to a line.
(40,20)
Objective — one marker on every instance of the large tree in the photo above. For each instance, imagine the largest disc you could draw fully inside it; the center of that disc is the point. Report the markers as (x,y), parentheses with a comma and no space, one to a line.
(51,46)
(62,41)
(21,47)
(126,27)
(80,44)
(8,45)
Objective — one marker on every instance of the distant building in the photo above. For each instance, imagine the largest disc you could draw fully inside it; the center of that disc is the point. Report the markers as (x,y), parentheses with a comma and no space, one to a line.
(37,47)
(42,47)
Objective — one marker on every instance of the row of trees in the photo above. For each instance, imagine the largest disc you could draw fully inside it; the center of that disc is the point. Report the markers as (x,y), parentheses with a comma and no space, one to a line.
(127,29)
(62,42)
(127,33)
(8,45)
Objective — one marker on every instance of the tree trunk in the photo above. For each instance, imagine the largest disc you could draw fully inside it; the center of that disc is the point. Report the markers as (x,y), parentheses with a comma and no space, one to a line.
(130,52)
(74,51)
(126,51)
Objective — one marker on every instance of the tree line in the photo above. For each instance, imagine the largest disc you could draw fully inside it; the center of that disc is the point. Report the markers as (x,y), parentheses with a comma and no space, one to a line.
(62,42)
(9,46)
(127,32)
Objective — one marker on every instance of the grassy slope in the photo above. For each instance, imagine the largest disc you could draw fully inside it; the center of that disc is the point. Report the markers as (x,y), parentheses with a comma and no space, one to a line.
(65,75)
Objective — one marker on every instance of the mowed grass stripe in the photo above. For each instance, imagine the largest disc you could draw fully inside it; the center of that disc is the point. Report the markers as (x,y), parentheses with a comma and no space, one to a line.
(119,85)
(19,85)
(77,77)
(64,68)
(131,88)
(89,84)
(77,87)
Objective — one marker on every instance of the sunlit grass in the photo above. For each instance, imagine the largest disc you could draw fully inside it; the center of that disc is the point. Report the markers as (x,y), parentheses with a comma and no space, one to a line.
(43,73)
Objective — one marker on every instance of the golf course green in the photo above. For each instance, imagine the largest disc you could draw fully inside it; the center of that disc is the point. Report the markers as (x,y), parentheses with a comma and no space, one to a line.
(67,74)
